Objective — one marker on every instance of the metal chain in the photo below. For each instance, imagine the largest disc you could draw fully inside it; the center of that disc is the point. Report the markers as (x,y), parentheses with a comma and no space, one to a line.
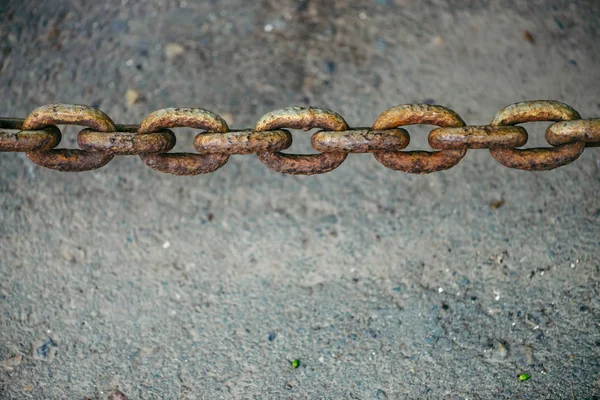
(37,136)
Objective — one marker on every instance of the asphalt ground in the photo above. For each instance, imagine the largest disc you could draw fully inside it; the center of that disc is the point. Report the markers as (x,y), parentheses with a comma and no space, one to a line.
(383,285)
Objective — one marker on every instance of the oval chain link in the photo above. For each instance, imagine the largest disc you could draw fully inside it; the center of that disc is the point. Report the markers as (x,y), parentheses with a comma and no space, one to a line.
(302,118)
(72,160)
(419,162)
(183,163)
(537,159)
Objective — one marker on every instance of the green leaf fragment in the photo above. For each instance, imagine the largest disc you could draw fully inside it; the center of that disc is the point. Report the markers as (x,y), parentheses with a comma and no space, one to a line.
(295,363)
(524,377)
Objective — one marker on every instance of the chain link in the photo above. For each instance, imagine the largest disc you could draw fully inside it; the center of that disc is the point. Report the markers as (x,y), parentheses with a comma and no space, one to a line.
(420,162)
(72,160)
(151,140)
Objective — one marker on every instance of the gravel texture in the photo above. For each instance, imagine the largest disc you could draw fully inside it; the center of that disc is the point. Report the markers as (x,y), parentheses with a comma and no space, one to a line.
(383,285)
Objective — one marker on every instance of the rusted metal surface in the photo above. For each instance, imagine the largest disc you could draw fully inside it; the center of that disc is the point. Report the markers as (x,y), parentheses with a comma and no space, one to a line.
(306,119)
(536,159)
(419,162)
(539,159)
(184,163)
(410,114)
(38,136)
(70,160)
(585,130)
(243,142)
(361,140)
(13,138)
(537,110)
(477,137)
(68,114)
(183,117)
(126,141)
(298,164)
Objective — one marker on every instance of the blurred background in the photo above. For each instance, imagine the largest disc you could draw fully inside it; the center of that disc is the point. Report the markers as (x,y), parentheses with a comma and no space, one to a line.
(383,285)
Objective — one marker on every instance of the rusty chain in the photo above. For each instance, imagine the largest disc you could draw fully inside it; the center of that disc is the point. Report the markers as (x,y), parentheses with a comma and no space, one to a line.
(38,136)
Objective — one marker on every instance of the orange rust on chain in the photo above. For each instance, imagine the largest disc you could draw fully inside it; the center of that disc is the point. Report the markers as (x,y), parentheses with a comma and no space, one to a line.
(13,138)
(126,141)
(183,117)
(360,140)
(585,130)
(243,142)
(69,114)
(297,164)
(70,160)
(37,136)
(537,110)
(184,163)
(410,114)
(537,159)
(543,159)
(477,137)
(419,162)
(304,118)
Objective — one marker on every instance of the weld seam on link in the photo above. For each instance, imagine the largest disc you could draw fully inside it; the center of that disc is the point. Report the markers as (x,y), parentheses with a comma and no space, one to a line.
(477,137)
(360,140)
(126,141)
(245,141)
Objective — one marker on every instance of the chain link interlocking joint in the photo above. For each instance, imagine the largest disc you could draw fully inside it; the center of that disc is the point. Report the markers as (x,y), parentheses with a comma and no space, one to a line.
(151,140)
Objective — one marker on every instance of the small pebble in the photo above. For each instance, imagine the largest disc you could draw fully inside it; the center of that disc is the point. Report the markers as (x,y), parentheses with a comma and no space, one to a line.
(131,97)
(173,50)
(166,245)
(10,363)
(117,395)
(497,204)
(528,36)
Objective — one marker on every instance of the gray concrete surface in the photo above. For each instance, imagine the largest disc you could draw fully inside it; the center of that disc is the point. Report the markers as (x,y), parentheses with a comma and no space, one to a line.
(384,285)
